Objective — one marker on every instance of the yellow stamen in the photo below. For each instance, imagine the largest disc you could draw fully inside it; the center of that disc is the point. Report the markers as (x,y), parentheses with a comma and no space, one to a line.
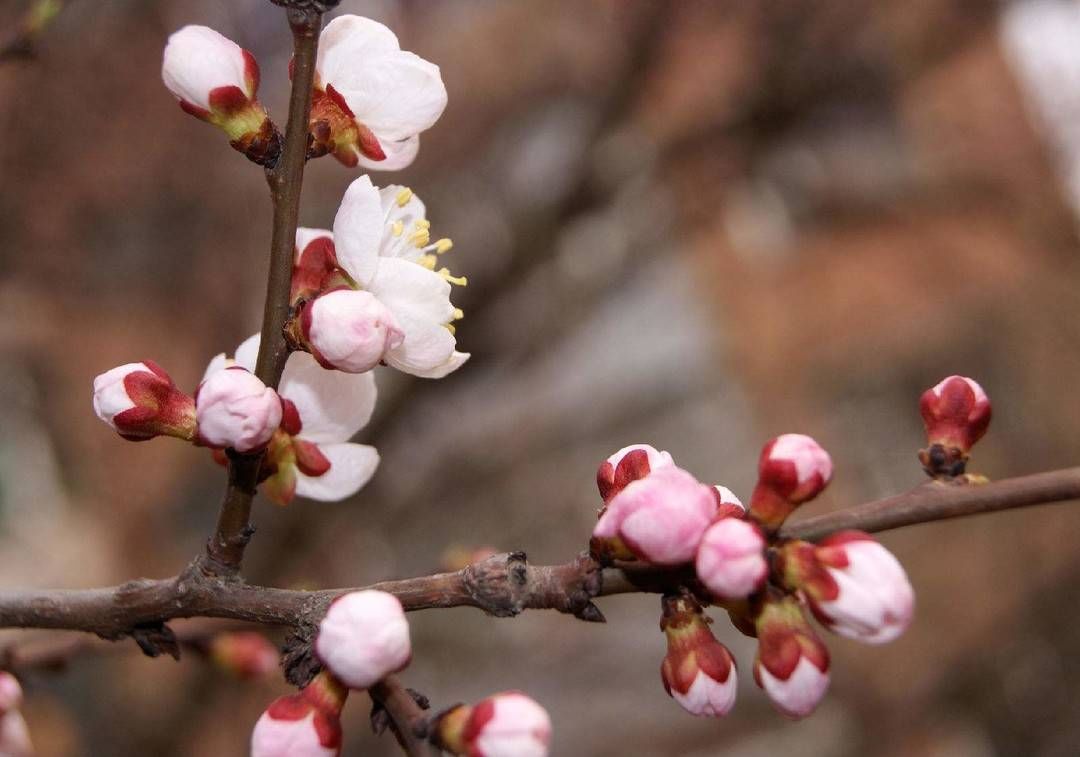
(397,228)
(403,197)
(458,280)
(420,237)
(423,223)
(443,245)
(458,314)
(428,261)
(451,328)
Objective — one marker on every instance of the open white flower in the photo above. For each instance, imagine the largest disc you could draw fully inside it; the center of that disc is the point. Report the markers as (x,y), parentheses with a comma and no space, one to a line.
(311,454)
(372,99)
(382,243)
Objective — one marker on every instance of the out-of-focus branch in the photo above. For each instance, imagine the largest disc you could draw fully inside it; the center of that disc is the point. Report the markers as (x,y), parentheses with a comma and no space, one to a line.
(20,43)
(503,585)
(225,549)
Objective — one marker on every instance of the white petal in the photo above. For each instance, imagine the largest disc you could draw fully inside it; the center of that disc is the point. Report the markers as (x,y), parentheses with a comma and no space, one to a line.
(358,228)
(397,94)
(333,405)
(398,154)
(351,465)
(800,694)
(197,60)
(247,353)
(445,368)
(218,362)
(349,39)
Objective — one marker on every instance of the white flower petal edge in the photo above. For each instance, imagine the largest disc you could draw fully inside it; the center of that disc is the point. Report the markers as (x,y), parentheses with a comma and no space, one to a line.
(800,694)
(351,466)
(198,60)
(333,405)
(707,697)
(358,229)
(398,154)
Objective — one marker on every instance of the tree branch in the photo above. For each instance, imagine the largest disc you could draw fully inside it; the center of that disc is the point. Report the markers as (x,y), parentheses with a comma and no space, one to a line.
(396,707)
(225,549)
(503,585)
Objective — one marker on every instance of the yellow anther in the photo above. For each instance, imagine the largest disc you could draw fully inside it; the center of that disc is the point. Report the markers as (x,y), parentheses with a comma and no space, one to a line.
(443,245)
(420,237)
(458,314)
(403,197)
(423,223)
(458,280)
(451,328)
(397,228)
(428,261)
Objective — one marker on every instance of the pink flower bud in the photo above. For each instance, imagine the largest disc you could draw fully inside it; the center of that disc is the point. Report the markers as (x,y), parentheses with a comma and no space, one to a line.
(307,724)
(245,654)
(140,401)
(792,664)
(956,414)
(349,330)
(855,586)
(660,518)
(10,692)
(14,735)
(235,409)
(216,81)
(629,464)
(698,671)
(793,468)
(509,724)
(363,638)
(731,559)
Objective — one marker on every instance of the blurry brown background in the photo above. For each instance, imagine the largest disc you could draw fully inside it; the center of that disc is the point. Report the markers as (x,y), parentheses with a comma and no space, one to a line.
(697,224)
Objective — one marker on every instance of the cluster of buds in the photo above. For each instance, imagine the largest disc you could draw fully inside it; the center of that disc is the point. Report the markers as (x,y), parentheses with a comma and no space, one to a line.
(14,735)
(508,724)
(370,99)
(956,413)
(657,513)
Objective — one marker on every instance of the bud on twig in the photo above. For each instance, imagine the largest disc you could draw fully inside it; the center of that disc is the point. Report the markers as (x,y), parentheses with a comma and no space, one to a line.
(792,664)
(245,654)
(141,401)
(307,724)
(731,559)
(698,671)
(509,724)
(363,638)
(216,81)
(956,413)
(659,518)
(793,469)
(348,330)
(234,409)
(855,586)
(629,464)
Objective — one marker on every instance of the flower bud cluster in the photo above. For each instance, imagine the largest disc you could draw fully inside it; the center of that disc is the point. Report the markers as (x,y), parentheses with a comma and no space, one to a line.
(657,513)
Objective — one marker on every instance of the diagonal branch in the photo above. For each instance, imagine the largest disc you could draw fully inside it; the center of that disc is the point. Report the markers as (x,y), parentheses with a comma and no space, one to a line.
(225,549)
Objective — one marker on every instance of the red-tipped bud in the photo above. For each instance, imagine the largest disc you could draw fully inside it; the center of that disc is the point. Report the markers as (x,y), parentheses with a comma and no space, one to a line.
(793,468)
(364,637)
(956,414)
(245,654)
(235,409)
(509,724)
(855,586)
(727,504)
(349,330)
(141,401)
(629,464)
(731,559)
(216,81)
(659,518)
(307,724)
(792,663)
(698,671)
(11,694)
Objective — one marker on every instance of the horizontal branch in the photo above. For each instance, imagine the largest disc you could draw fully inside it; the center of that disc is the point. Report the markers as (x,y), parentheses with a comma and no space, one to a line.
(503,585)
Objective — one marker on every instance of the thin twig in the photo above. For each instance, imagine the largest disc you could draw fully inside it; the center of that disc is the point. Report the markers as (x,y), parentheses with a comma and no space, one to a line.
(225,549)
(407,718)
(503,585)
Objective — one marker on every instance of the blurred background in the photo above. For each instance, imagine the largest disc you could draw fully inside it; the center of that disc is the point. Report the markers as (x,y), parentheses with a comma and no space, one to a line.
(695,224)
